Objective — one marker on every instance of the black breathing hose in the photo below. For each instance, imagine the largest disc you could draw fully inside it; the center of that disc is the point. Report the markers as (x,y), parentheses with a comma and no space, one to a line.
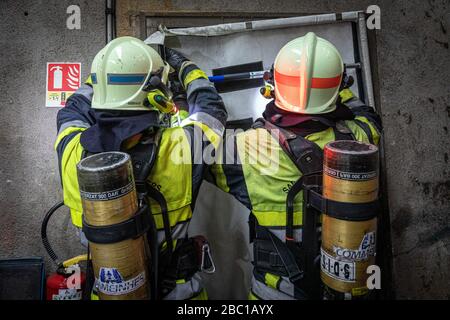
(45,241)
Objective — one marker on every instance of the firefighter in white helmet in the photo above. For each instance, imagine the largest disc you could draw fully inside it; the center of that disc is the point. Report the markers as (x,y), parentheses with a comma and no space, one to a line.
(310,106)
(121,108)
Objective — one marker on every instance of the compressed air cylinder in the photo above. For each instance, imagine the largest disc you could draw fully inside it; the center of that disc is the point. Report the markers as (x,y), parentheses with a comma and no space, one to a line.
(109,197)
(350,175)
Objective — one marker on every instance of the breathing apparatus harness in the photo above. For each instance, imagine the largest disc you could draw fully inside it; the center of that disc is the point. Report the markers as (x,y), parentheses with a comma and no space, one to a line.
(299,261)
(190,254)
(168,264)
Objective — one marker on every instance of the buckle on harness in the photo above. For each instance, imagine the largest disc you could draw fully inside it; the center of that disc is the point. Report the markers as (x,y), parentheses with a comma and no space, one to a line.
(206,254)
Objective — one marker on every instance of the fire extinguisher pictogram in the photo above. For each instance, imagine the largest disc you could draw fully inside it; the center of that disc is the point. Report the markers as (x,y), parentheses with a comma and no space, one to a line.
(57,77)
(63,79)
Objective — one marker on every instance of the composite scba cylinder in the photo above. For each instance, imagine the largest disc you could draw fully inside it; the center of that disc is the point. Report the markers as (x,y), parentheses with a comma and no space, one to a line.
(350,176)
(109,197)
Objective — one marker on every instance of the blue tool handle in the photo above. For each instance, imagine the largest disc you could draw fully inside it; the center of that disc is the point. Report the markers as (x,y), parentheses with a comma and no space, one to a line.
(216,78)
(237,76)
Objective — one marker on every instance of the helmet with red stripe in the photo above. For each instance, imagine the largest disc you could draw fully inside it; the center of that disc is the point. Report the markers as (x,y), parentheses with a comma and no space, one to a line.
(307,75)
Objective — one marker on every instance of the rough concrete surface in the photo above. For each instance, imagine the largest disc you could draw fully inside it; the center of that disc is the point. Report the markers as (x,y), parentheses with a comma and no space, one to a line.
(413,67)
(413,64)
(33,33)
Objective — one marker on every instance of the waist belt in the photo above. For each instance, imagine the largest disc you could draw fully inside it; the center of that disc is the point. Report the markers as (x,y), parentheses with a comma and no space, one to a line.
(266,259)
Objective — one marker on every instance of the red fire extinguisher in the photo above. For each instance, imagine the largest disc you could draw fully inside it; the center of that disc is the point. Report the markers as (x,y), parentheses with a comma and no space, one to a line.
(68,282)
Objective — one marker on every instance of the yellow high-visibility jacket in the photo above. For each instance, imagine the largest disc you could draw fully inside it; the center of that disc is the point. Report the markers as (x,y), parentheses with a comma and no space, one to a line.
(258,173)
(178,170)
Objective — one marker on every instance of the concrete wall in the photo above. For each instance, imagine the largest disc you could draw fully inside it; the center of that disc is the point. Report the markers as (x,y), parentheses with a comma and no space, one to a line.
(33,33)
(413,61)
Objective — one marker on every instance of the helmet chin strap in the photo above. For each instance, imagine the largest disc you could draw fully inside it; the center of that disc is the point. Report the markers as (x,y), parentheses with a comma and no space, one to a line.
(268,91)
(165,73)
(347,81)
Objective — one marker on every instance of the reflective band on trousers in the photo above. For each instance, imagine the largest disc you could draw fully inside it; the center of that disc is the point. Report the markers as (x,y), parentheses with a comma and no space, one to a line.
(265,292)
(187,290)
(179,231)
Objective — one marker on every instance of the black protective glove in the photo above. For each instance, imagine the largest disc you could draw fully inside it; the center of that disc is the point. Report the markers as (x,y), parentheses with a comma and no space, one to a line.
(175,85)
(178,92)
(175,59)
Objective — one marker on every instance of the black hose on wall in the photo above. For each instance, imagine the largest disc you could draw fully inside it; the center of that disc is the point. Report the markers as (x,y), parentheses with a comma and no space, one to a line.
(45,241)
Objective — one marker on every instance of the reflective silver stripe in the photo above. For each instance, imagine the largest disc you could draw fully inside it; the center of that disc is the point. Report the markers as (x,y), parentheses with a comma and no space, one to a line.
(354,103)
(187,290)
(86,91)
(183,66)
(267,293)
(207,119)
(198,84)
(281,234)
(74,123)
(83,240)
(286,286)
(179,231)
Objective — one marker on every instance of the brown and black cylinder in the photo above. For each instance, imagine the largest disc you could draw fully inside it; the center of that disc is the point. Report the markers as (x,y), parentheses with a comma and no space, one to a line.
(350,177)
(108,195)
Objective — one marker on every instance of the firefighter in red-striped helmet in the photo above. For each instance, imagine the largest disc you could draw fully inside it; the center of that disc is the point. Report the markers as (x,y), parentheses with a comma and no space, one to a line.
(311,106)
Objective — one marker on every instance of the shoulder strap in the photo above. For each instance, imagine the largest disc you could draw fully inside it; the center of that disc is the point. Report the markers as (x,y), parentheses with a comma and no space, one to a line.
(143,156)
(342,131)
(85,154)
(306,155)
(365,127)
